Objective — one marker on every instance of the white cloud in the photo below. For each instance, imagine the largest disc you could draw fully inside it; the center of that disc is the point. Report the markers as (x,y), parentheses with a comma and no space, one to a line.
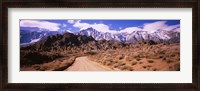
(64,25)
(99,27)
(71,21)
(40,24)
(80,25)
(102,27)
(150,27)
(131,29)
(159,25)
(172,27)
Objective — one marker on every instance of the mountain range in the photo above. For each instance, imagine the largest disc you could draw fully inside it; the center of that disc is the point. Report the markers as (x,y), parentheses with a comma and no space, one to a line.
(30,37)
(125,37)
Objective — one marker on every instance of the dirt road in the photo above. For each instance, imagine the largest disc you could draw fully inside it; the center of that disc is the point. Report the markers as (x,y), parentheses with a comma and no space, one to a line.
(84,64)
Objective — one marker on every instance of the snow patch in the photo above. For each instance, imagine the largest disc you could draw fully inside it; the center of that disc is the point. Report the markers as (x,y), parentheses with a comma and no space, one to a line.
(69,31)
(35,40)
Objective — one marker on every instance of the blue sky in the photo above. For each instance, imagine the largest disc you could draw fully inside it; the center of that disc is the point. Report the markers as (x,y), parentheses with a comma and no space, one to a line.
(102,25)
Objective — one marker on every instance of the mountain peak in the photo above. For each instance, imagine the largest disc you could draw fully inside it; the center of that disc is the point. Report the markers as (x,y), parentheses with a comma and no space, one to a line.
(134,36)
(87,29)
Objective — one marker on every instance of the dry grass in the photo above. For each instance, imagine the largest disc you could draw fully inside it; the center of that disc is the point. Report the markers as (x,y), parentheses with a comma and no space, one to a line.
(55,65)
(134,57)
(141,57)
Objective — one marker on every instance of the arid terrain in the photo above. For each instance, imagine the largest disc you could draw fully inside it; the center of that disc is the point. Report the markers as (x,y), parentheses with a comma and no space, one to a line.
(141,57)
(84,64)
(69,52)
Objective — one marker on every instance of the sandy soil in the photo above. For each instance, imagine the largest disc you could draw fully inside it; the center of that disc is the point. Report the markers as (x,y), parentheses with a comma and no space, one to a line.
(160,57)
(84,64)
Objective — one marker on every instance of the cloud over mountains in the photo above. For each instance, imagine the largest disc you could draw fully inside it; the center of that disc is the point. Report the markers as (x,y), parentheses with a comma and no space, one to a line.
(150,27)
(102,27)
(40,24)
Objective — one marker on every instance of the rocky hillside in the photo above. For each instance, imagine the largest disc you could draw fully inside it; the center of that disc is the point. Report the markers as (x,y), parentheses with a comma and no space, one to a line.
(58,52)
(62,45)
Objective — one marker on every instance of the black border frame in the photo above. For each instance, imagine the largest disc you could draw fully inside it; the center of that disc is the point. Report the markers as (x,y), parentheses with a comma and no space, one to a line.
(194,4)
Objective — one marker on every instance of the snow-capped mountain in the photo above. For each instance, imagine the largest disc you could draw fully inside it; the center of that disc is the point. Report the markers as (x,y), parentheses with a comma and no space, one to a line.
(158,36)
(97,35)
(29,37)
(131,37)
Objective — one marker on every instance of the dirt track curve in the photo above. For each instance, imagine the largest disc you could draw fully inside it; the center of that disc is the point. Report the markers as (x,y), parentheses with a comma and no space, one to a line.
(84,64)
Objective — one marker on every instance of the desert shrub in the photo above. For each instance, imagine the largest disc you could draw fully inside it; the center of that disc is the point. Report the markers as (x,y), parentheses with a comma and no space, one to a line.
(109,59)
(116,62)
(161,56)
(108,63)
(175,67)
(115,65)
(91,53)
(154,69)
(128,68)
(31,58)
(120,57)
(172,55)
(36,67)
(169,60)
(104,62)
(161,52)
(131,69)
(150,61)
(127,58)
(149,66)
(136,55)
(123,67)
(122,63)
(44,68)
(70,52)
(164,58)
(140,62)
(133,63)
(57,65)
(138,59)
